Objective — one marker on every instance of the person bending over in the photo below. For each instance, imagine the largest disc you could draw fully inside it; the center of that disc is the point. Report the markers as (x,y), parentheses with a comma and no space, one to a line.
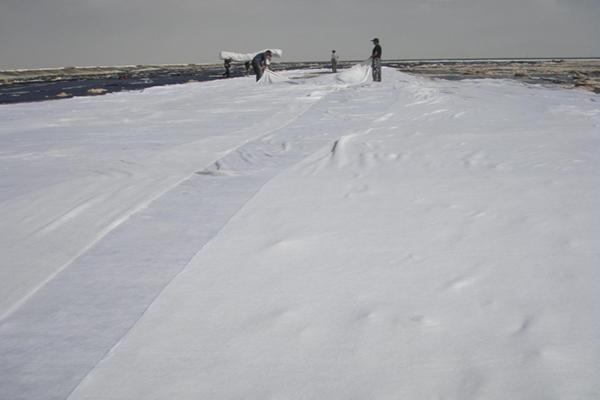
(260,63)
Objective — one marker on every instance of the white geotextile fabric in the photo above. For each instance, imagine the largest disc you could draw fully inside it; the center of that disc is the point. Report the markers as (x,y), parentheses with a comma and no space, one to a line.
(243,57)
(357,74)
(270,77)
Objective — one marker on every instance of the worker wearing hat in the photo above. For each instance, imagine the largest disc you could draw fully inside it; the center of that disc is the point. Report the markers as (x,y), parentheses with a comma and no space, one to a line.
(376,60)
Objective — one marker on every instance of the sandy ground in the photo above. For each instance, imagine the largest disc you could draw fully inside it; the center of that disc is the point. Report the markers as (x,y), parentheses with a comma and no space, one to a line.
(564,72)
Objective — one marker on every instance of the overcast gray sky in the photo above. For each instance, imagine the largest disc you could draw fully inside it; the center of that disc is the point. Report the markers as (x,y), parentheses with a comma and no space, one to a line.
(47,33)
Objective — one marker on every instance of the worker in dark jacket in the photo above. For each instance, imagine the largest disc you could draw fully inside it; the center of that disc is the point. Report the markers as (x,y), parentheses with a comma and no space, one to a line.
(227,73)
(376,60)
(260,63)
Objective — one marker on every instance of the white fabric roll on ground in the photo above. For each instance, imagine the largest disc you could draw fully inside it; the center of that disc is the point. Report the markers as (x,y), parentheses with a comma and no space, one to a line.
(357,74)
(270,77)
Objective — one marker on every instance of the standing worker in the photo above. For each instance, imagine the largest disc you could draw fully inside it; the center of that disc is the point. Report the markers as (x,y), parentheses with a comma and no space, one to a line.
(227,73)
(260,63)
(334,61)
(376,60)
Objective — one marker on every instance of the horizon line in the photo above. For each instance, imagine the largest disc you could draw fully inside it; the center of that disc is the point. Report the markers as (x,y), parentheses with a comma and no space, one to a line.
(450,59)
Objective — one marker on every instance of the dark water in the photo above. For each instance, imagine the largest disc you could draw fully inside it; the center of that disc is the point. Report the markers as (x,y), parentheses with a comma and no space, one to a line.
(79,86)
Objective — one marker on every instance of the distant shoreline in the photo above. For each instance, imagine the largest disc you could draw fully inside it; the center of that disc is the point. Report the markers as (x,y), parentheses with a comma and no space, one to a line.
(27,85)
(214,64)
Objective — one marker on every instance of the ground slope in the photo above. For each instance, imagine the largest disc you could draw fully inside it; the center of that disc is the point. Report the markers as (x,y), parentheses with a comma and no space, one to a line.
(74,170)
(410,239)
(441,244)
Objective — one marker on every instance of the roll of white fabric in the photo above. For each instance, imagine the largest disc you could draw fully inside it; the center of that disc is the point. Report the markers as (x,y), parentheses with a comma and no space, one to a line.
(243,57)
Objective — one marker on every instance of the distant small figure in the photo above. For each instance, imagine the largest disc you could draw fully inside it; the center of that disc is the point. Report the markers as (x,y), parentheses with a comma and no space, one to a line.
(227,73)
(260,63)
(334,61)
(376,60)
(247,66)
